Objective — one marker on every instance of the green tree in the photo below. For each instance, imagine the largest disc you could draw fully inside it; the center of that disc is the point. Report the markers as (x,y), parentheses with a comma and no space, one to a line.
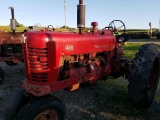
(67,27)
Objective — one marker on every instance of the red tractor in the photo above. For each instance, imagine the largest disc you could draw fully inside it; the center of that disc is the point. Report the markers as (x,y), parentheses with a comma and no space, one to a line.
(10,46)
(56,61)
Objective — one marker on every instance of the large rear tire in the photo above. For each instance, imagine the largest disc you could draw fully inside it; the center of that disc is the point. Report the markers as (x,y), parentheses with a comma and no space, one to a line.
(43,108)
(144,75)
(1,75)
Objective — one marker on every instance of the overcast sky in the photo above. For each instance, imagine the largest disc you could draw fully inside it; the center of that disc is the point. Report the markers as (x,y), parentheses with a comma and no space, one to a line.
(136,14)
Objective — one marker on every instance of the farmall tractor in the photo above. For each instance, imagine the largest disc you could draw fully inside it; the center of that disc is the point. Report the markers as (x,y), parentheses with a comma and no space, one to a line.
(56,61)
(10,46)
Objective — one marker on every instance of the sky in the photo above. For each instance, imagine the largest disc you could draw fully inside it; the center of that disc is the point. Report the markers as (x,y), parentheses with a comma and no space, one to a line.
(136,14)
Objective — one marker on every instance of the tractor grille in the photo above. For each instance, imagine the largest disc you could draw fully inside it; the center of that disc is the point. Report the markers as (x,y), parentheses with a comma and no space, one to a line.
(38,64)
(41,77)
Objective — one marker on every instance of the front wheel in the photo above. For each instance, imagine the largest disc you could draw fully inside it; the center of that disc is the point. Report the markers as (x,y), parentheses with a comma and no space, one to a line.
(144,75)
(43,108)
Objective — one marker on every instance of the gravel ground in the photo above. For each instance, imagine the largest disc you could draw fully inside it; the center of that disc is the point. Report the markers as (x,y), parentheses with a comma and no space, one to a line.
(10,87)
(105,100)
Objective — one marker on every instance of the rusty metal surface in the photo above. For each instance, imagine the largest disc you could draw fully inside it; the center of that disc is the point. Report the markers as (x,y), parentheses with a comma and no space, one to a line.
(9,38)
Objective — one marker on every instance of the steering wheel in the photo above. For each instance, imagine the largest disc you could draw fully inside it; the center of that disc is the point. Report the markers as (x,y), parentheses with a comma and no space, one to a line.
(50,28)
(113,25)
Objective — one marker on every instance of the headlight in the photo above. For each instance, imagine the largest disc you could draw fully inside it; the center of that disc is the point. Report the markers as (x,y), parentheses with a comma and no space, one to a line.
(23,39)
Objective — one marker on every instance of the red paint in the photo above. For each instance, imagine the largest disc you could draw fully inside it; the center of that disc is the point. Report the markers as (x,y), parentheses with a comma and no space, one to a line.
(55,61)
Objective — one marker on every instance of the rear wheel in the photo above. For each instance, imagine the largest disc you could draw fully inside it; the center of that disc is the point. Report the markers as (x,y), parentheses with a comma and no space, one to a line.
(144,75)
(43,108)
(1,75)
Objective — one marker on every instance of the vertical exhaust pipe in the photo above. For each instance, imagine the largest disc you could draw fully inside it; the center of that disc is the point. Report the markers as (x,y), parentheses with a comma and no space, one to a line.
(81,16)
(12,20)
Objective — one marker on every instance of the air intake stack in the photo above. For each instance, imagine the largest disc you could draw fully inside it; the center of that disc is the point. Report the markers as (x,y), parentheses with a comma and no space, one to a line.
(81,16)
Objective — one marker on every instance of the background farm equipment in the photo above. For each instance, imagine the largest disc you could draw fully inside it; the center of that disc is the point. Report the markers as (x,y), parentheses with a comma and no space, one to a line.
(143,33)
(157,33)
(10,50)
(10,45)
(139,35)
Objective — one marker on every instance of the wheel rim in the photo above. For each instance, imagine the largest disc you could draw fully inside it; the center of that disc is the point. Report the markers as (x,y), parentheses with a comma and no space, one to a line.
(154,78)
(47,115)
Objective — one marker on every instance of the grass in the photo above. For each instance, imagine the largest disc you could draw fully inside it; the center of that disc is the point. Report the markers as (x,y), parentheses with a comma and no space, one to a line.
(21,29)
(112,101)
(130,49)
(8,28)
(109,102)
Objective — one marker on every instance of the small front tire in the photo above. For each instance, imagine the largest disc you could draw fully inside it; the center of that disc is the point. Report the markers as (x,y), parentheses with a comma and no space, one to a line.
(42,108)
